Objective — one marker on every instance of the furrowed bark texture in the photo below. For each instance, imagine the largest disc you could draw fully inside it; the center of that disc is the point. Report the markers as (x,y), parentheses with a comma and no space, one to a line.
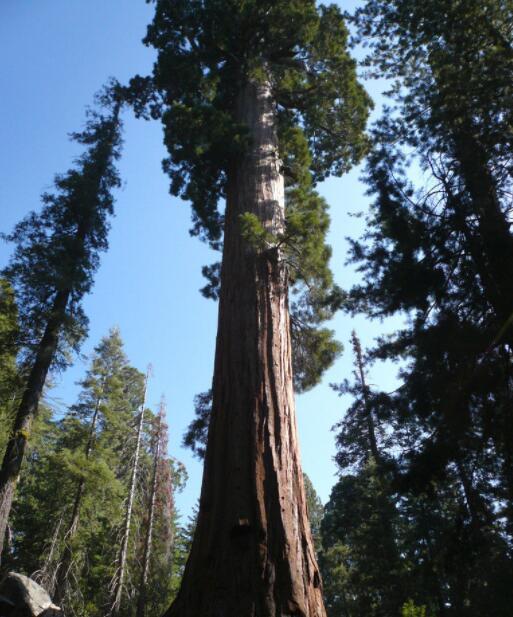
(252,554)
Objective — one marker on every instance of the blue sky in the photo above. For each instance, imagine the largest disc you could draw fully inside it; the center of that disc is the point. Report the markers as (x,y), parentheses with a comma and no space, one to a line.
(56,54)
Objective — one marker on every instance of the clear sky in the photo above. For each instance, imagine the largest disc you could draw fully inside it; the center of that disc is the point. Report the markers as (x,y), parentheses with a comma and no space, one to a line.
(55,55)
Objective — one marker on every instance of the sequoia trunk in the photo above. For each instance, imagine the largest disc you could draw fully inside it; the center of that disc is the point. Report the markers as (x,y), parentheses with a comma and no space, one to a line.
(252,554)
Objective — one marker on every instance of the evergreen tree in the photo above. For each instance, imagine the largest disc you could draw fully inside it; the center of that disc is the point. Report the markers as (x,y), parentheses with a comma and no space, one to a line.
(360,561)
(315,512)
(184,535)
(253,94)
(168,548)
(56,254)
(29,527)
(118,580)
(148,536)
(70,508)
(9,344)
(111,391)
(70,499)
(440,254)
(160,510)
(361,557)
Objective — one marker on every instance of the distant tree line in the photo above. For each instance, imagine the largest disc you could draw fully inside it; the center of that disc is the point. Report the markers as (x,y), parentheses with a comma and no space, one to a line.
(68,521)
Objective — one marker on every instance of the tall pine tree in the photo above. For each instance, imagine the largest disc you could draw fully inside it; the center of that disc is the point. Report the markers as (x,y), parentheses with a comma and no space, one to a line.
(440,253)
(55,257)
(361,554)
(95,429)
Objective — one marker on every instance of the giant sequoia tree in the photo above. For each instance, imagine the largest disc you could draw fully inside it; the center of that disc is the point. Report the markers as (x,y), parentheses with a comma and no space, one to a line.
(56,254)
(259,101)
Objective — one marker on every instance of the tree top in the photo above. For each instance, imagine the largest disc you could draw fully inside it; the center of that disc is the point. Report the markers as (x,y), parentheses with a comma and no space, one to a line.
(207,51)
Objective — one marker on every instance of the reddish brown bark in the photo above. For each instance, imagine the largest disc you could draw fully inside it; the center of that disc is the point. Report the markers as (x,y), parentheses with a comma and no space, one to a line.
(252,554)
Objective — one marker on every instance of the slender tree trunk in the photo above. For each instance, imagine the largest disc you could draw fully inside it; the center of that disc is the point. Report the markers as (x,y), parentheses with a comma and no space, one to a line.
(495,261)
(119,578)
(141,603)
(426,531)
(371,428)
(15,451)
(492,246)
(61,576)
(252,554)
(480,516)
(46,576)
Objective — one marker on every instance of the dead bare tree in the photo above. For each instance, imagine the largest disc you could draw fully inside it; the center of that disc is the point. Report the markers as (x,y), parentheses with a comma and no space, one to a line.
(116,587)
(141,603)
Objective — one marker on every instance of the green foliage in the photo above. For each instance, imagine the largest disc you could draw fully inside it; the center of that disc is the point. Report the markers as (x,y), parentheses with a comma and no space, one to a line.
(9,375)
(196,434)
(314,295)
(67,452)
(321,111)
(29,524)
(452,62)
(182,546)
(333,562)
(410,610)
(401,523)
(315,511)
(314,350)
(358,534)
(73,451)
(438,252)
(215,47)
(255,234)
(57,249)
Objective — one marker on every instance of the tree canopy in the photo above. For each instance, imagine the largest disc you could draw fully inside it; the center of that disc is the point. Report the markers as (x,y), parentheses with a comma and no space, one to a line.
(321,114)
